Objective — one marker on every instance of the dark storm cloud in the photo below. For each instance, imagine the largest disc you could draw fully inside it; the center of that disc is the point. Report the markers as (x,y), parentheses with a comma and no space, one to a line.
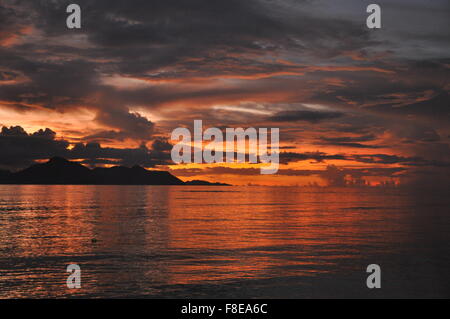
(94,153)
(416,88)
(287,157)
(351,142)
(63,86)
(352,145)
(150,35)
(199,38)
(347,139)
(177,59)
(161,145)
(51,85)
(20,149)
(320,157)
(307,116)
(394,159)
(199,23)
(135,125)
(12,24)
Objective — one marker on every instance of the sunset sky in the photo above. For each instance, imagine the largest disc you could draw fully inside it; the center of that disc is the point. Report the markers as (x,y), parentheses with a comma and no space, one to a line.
(351,103)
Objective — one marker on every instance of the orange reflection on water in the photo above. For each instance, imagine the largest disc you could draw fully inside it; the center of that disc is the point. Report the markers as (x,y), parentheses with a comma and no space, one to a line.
(252,230)
(134,239)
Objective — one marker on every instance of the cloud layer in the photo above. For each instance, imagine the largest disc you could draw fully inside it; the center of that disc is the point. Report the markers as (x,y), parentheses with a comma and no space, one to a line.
(113,91)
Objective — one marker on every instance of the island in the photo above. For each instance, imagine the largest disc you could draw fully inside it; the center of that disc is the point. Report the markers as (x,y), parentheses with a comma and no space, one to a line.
(60,171)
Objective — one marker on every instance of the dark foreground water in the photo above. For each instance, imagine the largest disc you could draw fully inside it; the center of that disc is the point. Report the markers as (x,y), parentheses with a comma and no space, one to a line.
(222,242)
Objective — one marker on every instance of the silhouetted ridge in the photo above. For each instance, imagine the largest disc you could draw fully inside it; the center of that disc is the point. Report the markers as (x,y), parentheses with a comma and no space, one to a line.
(120,175)
(204,183)
(4,174)
(56,171)
(59,161)
(60,171)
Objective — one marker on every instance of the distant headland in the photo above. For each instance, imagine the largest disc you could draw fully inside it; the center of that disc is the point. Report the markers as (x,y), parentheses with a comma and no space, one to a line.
(60,171)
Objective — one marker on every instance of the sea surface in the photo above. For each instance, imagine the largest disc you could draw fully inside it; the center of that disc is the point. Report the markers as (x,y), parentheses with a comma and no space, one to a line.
(222,242)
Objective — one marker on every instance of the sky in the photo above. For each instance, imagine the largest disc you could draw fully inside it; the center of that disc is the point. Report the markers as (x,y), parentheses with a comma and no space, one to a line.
(354,105)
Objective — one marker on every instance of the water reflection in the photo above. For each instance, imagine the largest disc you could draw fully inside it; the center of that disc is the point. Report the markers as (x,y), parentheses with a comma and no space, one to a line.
(211,241)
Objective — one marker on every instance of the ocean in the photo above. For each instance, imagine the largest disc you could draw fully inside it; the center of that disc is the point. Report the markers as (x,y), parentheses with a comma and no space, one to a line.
(222,242)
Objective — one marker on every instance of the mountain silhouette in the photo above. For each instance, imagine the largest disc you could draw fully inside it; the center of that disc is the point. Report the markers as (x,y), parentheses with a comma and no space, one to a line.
(59,171)
(204,183)
(4,174)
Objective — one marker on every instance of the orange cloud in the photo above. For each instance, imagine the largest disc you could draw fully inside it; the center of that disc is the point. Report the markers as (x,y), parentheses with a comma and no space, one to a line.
(8,38)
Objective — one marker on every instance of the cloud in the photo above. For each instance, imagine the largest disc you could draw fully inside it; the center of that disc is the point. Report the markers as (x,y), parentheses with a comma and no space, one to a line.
(142,70)
(394,159)
(320,157)
(287,157)
(307,116)
(335,176)
(132,124)
(351,142)
(161,145)
(21,149)
(349,139)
